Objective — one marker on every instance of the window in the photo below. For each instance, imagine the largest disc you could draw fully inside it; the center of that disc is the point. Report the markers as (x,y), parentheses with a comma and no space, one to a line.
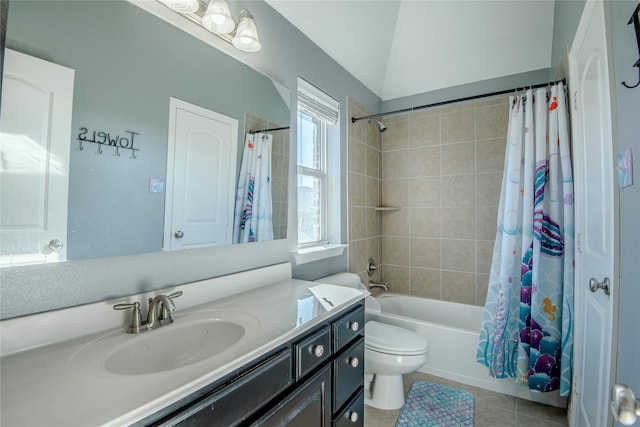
(318,143)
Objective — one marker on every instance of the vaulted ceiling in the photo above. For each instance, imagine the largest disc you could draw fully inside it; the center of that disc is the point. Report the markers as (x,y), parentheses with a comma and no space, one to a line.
(399,48)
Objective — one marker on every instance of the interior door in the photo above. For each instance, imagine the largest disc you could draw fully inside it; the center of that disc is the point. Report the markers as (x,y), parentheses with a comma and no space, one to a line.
(596,221)
(35,136)
(201,170)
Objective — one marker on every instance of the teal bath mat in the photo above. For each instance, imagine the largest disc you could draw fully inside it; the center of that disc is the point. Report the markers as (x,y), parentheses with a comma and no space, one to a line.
(434,405)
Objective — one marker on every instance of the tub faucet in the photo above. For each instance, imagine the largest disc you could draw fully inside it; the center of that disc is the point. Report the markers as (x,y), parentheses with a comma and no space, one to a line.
(382,286)
(160,309)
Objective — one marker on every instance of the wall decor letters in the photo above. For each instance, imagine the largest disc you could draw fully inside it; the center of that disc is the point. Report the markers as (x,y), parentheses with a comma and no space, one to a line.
(105,138)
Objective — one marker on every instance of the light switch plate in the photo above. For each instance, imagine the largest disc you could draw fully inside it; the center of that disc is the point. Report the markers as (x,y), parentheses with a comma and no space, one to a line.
(625,168)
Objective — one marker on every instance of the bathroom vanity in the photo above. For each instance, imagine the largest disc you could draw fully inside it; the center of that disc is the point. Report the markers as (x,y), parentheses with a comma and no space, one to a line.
(289,352)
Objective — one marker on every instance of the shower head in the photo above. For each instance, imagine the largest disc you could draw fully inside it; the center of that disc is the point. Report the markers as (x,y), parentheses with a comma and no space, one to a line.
(381,126)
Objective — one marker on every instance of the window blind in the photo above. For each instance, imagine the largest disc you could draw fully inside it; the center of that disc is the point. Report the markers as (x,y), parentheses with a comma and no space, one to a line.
(316,103)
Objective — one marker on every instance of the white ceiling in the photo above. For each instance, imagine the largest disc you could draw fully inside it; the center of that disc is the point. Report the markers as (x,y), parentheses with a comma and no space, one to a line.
(404,47)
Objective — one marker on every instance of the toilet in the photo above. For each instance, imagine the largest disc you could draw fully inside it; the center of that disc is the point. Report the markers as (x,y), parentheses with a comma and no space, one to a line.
(389,352)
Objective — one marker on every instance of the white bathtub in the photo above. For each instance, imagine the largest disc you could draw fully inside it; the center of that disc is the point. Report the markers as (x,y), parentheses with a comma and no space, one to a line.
(452,331)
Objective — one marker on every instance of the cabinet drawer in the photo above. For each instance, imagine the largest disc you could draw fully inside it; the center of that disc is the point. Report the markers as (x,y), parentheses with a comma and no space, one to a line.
(312,351)
(348,373)
(353,414)
(240,398)
(347,328)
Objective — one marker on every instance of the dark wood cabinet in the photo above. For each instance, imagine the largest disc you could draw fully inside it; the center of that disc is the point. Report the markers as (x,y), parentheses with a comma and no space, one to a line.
(314,380)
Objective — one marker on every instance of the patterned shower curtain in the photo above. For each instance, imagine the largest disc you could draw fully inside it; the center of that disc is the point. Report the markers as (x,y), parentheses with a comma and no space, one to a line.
(253,220)
(527,324)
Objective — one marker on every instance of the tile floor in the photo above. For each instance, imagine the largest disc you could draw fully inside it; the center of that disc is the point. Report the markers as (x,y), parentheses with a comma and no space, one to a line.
(491,409)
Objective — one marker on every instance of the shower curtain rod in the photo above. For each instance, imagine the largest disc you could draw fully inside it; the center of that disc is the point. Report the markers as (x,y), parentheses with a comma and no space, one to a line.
(468,98)
(268,130)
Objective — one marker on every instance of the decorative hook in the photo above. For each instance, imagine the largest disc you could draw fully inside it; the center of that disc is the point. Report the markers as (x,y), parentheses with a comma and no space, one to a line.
(637,65)
(117,152)
(99,149)
(635,20)
(80,147)
(133,154)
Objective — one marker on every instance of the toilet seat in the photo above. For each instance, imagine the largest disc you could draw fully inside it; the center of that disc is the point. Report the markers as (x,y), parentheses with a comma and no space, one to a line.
(390,339)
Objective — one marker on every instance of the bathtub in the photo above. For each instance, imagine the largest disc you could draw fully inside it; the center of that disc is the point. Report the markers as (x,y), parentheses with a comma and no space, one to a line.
(452,331)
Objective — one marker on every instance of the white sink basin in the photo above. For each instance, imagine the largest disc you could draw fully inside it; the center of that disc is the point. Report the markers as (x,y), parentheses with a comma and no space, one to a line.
(174,346)
(192,340)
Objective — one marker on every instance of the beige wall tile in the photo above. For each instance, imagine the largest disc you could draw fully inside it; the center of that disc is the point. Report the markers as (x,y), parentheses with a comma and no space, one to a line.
(492,122)
(357,156)
(490,155)
(424,192)
(425,222)
(395,223)
(486,220)
(373,251)
(458,191)
(357,189)
(424,130)
(426,253)
(395,164)
(484,255)
(373,192)
(373,223)
(482,288)
(459,223)
(488,189)
(357,222)
(395,250)
(397,278)
(457,126)
(374,162)
(395,192)
(459,287)
(357,255)
(458,159)
(373,137)
(426,283)
(424,161)
(459,255)
(396,137)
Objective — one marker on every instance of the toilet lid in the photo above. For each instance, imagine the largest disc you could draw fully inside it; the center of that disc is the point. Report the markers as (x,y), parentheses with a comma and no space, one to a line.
(392,339)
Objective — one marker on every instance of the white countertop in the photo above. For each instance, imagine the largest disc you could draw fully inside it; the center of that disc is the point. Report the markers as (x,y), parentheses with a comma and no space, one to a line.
(64,383)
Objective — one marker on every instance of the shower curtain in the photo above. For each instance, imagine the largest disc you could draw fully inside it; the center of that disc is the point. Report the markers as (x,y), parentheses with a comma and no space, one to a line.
(253,220)
(527,323)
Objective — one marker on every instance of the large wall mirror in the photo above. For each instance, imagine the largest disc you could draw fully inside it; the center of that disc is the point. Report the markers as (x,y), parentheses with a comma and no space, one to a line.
(127,66)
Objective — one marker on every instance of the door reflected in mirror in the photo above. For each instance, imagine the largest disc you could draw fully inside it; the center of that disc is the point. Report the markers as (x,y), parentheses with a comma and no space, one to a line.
(125,75)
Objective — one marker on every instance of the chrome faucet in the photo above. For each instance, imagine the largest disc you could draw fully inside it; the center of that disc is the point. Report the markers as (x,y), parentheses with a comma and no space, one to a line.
(159,314)
(382,286)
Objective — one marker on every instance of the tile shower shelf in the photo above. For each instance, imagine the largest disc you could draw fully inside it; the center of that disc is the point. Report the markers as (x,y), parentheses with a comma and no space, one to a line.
(387,208)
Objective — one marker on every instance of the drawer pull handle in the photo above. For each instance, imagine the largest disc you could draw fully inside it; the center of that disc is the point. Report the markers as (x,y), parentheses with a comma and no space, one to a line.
(318,350)
(354,326)
(354,362)
(353,417)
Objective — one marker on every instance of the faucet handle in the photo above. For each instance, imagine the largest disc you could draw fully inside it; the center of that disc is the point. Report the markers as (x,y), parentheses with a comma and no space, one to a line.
(136,316)
(165,313)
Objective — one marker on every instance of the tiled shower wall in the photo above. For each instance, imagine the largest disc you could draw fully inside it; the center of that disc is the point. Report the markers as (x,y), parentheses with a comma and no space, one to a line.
(443,169)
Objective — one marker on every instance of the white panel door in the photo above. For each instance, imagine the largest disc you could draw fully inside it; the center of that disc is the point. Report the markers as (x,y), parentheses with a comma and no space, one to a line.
(35,136)
(596,220)
(201,177)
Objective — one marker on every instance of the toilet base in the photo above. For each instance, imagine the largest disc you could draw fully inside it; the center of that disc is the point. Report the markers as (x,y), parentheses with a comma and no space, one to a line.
(385,392)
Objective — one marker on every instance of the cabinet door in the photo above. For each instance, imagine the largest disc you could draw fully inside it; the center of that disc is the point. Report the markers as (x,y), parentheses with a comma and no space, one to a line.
(309,406)
(348,373)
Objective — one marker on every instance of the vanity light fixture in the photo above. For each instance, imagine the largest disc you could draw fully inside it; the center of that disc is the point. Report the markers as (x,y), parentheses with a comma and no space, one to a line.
(246,38)
(217,19)
(182,6)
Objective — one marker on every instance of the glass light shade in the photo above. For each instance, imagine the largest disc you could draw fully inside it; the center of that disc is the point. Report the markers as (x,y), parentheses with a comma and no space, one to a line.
(182,6)
(246,38)
(217,18)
